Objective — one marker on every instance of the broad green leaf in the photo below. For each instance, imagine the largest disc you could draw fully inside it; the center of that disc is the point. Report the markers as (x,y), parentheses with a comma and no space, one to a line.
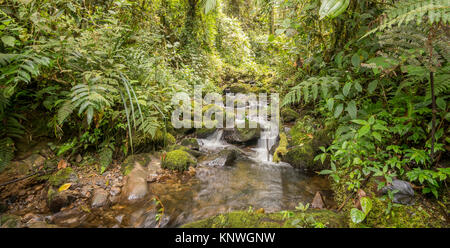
(356,61)
(330,104)
(364,130)
(347,88)
(338,110)
(366,204)
(352,110)
(441,103)
(8,40)
(372,86)
(377,136)
(360,122)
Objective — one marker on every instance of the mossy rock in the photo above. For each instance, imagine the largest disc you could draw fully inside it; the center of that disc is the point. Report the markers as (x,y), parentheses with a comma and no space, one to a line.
(245,219)
(242,135)
(302,156)
(128,164)
(194,153)
(289,115)
(191,143)
(178,160)
(61,176)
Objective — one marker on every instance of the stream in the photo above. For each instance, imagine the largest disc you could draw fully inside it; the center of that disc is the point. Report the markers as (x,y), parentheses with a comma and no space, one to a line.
(252,182)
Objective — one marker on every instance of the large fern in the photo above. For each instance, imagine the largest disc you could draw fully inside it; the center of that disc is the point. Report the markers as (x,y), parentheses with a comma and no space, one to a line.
(406,11)
(309,90)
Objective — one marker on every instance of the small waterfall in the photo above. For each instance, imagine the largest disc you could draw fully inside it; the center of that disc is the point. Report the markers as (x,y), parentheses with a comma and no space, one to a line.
(269,135)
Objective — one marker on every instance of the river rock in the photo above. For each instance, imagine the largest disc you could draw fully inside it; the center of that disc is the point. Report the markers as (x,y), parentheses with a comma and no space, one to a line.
(56,201)
(100,198)
(135,187)
(225,158)
(318,201)
(242,135)
(302,156)
(178,160)
(191,144)
(131,161)
(405,194)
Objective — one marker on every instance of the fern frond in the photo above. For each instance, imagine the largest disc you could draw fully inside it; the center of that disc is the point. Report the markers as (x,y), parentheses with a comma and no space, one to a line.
(406,11)
(6,152)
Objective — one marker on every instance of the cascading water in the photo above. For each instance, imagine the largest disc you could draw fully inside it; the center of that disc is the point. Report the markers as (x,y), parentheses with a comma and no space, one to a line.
(252,180)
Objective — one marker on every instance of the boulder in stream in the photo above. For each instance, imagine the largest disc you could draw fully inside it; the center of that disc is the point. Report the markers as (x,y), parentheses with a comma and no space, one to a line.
(225,158)
(242,135)
(135,187)
(178,160)
(191,144)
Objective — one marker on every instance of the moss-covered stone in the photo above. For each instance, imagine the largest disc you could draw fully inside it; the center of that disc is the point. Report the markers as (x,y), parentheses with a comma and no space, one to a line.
(242,135)
(178,160)
(243,219)
(191,143)
(400,216)
(60,176)
(281,149)
(304,148)
(289,115)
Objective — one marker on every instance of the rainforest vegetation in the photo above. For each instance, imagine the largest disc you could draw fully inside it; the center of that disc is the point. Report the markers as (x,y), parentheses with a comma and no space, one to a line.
(365,83)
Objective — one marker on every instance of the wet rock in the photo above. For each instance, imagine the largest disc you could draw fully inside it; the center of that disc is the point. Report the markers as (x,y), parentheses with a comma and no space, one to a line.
(302,156)
(242,135)
(86,191)
(178,160)
(41,224)
(225,158)
(405,194)
(136,184)
(56,201)
(68,218)
(318,201)
(100,198)
(115,191)
(10,221)
(151,221)
(191,144)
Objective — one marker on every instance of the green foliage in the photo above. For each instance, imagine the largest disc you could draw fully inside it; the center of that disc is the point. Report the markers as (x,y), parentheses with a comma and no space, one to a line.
(357,215)
(178,160)
(406,11)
